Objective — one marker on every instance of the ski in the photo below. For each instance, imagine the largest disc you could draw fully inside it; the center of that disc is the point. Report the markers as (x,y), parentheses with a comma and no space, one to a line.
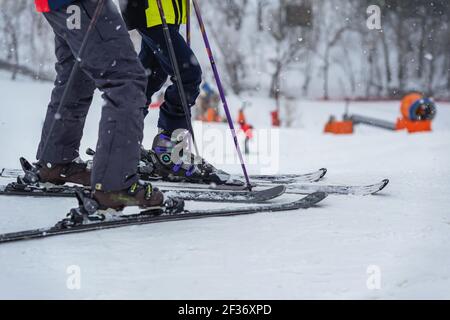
(17,189)
(292,182)
(61,228)
(357,190)
(364,190)
(290,178)
(275,179)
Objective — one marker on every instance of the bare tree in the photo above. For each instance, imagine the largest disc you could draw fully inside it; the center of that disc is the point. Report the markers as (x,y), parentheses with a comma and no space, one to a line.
(329,31)
(290,42)
(261,6)
(10,13)
(258,47)
(226,27)
(26,41)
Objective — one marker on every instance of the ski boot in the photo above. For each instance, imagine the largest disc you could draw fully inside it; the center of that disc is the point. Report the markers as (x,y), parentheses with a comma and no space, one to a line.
(77,172)
(143,195)
(159,162)
(106,206)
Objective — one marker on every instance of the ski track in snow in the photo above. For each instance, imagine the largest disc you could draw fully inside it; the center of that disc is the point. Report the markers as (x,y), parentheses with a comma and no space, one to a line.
(323,252)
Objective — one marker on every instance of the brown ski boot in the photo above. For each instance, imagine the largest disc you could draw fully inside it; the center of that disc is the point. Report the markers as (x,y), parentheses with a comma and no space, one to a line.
(103,206)
(74,172)
(77,172)
(142,195)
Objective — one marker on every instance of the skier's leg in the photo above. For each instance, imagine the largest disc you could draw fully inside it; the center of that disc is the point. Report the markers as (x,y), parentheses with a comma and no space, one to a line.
(172,115)
(156,74)
(64,142)
(166,144)
(58,153)
(111,62)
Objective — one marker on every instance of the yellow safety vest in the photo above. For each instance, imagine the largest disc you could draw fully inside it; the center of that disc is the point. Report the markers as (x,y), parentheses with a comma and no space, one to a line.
(175,11)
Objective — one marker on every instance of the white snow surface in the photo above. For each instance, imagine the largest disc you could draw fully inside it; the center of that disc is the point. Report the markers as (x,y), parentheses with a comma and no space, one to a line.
(324,252)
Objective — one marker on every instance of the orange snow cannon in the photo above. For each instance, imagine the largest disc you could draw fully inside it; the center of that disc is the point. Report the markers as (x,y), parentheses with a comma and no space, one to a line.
(416,107)
(407,102)
(418,112)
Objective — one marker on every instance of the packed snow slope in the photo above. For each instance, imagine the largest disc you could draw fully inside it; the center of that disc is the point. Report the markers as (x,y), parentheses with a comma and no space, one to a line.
(392,245)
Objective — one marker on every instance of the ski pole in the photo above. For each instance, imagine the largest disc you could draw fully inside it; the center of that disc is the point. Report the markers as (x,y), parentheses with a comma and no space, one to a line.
(221,91)
(74,71)
(176,69)
(188,22)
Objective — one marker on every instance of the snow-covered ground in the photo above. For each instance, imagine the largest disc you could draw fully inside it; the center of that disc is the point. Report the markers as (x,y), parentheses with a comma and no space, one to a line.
(401,236)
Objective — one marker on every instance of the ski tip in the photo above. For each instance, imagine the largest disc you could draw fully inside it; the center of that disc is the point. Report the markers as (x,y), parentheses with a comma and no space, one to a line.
(384,183)
(320,194)
(324,172)
(313,198)
(271,193)
(280,188)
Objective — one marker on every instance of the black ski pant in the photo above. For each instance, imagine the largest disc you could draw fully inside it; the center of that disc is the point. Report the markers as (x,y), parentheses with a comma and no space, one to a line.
(155,58)
(111,65)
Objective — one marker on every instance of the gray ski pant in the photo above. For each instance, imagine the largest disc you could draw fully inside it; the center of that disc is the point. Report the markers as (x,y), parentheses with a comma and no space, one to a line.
(111,65)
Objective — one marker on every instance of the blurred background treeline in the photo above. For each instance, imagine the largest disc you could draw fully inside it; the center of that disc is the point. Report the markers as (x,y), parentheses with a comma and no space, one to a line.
(293,48)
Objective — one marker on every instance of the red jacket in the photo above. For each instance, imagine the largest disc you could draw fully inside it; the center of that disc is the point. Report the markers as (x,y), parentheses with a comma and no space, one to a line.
(247,129)
(50,5)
